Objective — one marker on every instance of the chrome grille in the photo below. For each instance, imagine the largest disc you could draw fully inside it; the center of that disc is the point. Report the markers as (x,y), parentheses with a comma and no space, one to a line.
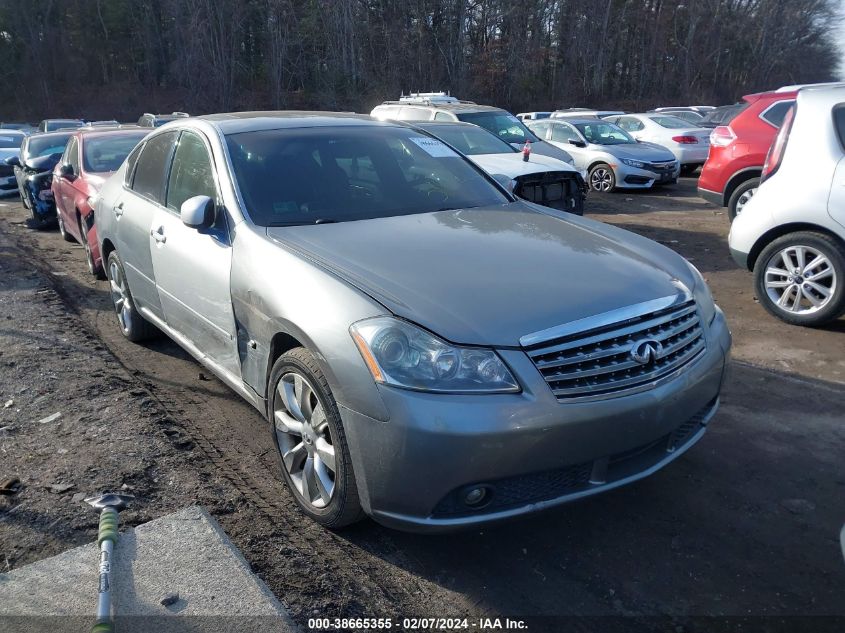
(599,361)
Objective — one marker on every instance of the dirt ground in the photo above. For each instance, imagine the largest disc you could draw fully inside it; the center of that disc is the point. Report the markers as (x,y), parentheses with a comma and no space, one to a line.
(745,524)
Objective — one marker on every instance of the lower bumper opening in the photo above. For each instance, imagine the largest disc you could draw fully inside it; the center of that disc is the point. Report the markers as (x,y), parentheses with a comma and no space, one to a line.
(521,490)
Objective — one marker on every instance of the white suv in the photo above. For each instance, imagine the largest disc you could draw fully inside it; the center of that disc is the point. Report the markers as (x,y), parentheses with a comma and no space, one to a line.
(792,232)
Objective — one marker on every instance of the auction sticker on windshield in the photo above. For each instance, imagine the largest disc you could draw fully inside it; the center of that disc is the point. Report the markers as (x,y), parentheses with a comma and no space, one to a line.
(433,147)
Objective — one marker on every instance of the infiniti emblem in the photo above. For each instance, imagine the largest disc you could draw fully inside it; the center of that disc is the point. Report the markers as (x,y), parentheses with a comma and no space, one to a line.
(646,351)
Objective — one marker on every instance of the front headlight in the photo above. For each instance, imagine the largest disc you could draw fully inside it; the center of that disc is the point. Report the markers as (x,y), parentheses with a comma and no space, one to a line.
(633,163)
(703,296)
(404,355)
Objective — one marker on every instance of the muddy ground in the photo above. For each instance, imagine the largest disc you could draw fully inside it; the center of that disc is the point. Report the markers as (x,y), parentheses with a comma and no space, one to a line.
(745,524)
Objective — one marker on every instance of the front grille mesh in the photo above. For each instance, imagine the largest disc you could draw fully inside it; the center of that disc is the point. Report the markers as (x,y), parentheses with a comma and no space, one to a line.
(599,362)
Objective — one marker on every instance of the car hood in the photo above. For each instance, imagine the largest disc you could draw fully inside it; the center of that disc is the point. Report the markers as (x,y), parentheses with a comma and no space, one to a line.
(637,151)
(544,148)
(489,275)
(512,165)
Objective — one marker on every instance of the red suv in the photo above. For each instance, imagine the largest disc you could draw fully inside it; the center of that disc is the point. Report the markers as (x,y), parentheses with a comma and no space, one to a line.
(738,149)
(91,155)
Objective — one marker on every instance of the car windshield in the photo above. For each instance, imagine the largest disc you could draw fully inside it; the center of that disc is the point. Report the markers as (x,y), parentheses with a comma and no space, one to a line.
(340,174)
(106,153)
(9,141)
(603,133)
(57,124)
(671,122)
(503,124)
(46,145)
(470,140)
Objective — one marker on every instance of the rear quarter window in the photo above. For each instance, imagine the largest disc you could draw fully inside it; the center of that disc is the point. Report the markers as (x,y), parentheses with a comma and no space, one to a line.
(776,112)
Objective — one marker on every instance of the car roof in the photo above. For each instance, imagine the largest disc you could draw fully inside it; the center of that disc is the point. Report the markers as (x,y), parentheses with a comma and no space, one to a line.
(236,122)
(449,107)
(91,132)
(443,124)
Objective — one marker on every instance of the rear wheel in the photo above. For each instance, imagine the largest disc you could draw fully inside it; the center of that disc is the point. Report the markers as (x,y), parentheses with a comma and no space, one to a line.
(799,278)
(741,196)
(602,178)
(688,170)
(67,237)
(134,327)
(311,443)
(94,269)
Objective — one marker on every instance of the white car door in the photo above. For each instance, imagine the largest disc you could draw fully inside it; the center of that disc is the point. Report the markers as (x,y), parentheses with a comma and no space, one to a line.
(192,267)
(562,134)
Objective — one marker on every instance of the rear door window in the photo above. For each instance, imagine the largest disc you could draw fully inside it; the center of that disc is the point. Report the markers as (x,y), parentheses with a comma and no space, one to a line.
(153,164)
(540,129)
(775,113)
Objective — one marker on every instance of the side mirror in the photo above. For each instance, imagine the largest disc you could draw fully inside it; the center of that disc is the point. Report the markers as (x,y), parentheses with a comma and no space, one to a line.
(13,161)
(198,212)
(577,143)
(66,170)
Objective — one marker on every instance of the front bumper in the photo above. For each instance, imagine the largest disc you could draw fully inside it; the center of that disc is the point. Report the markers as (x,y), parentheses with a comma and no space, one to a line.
(628,177)
(528,450)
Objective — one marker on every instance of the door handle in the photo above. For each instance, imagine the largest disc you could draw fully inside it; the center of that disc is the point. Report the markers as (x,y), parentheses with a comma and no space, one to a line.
(158,235)
(118,210)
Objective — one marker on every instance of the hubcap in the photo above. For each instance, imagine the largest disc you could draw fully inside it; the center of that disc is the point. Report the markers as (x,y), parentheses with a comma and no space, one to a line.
(601,179)
(120,297)
(305,439)
(800,280)
(744,198)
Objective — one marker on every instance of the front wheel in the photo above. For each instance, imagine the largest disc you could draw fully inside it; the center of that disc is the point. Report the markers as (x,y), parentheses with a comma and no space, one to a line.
(799,278)
(602,178)
(310,441)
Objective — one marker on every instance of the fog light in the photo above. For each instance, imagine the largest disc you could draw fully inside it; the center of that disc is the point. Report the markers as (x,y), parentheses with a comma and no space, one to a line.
(475,496)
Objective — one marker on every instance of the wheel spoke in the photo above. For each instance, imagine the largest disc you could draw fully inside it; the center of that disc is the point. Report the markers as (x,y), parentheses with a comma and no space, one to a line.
(325,452)
(783,301)
(822,290)
(799,294)
(800,257)
(287,392)
(322,481)
(780,272)
(294,458)
(309,479)
(778,284)
(286,423)
(822,274)
(818,260)
(303,396)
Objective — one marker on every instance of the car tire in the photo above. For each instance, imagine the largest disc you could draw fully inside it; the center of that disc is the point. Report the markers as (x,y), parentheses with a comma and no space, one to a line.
(310,441)
(67,237)
(133,326)
(96,271)
(602,178)
(808,296)
(688,170)
(740,197)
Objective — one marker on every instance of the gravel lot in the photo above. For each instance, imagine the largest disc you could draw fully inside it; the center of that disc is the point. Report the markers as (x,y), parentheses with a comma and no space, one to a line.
(745,524)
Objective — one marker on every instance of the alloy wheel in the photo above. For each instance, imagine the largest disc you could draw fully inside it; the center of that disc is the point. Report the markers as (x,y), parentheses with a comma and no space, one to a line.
(120,296)
(601,179)
(744,198)
(800,279)
(305,439)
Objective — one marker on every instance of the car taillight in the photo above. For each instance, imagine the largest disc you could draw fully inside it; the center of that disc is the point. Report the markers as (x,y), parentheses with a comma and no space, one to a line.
(685,140)
(722,136)
(775,155)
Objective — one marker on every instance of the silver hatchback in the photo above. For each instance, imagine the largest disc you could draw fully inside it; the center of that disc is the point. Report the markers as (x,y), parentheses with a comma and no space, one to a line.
(427,349)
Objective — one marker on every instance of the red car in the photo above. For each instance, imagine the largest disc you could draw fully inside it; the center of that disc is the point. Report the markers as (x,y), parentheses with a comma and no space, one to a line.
(90,157)
(738,149)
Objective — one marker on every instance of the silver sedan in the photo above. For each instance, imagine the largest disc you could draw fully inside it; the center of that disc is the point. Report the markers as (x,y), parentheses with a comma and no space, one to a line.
(426,348)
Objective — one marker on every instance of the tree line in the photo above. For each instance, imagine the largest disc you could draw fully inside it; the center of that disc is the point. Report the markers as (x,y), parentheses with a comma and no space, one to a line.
(119,58)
